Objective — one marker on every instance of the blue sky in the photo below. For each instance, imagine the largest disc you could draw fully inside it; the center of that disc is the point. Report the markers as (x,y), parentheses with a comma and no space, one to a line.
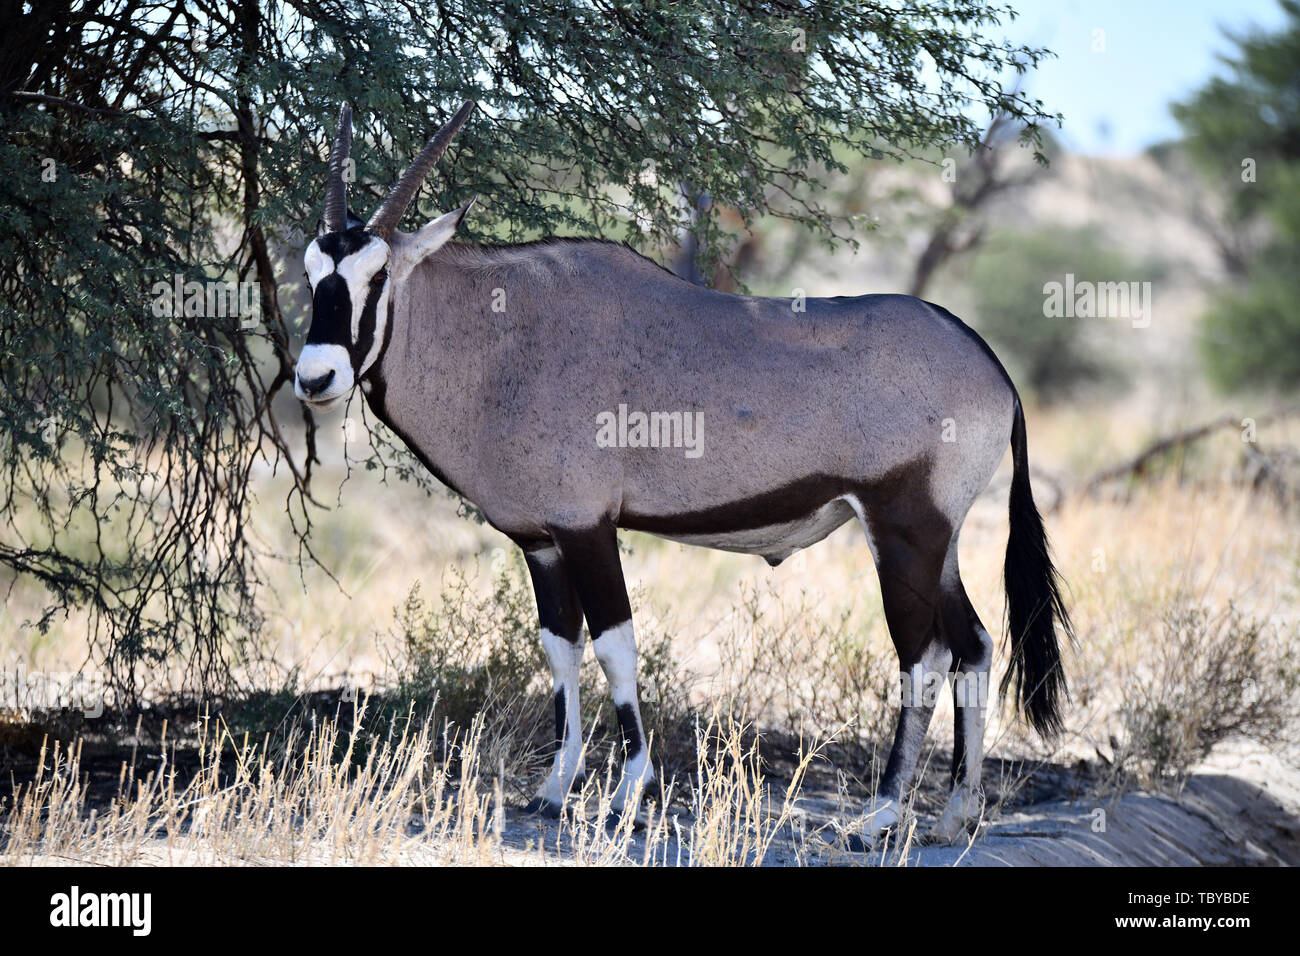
(1116,102)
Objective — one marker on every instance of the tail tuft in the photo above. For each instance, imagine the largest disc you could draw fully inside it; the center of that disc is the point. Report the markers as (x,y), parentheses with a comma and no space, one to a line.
(1034,603)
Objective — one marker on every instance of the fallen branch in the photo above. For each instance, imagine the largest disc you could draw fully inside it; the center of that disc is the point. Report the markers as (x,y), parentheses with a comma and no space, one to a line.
(1136,466)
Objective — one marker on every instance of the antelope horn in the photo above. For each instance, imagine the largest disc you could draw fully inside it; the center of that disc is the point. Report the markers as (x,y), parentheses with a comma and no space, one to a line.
(336,200)
(385,219)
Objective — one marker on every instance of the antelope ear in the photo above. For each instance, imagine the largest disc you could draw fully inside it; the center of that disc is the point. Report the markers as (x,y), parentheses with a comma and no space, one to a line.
(431,237)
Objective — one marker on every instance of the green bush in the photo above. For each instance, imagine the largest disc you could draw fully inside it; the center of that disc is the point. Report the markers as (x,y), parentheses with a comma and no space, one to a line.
(1251,337)
(1242,132)
(1251,334)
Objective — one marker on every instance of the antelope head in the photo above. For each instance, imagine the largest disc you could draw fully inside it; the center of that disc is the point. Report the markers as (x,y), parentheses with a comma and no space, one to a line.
(352,267)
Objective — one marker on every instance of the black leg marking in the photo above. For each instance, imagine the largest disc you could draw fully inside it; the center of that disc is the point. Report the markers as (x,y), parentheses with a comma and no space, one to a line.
(558,607)
(958,773)
(592,557)
(630,729)
(560,717)
(909,563)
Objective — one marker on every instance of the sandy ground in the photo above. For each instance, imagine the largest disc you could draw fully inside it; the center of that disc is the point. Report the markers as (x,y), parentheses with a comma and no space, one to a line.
(1239,808)
(1249,817)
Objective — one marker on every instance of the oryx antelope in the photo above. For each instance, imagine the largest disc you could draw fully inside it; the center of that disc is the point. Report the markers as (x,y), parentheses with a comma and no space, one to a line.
(880,407)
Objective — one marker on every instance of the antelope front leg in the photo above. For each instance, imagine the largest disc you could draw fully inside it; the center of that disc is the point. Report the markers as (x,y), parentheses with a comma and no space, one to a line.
(616,651)
(561,622)
(592,557)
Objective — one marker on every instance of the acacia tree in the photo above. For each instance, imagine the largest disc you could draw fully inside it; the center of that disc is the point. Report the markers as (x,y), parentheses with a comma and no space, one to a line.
(172,141)
(958,228)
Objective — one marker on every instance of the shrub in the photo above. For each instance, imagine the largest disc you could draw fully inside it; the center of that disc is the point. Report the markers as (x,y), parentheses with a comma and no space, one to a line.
(1213,675)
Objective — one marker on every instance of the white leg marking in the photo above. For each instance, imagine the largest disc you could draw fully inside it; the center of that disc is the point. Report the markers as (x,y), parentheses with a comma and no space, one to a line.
(963,807)
(616,651)
(976,698)
(565,658)
(545,556)
(879,815)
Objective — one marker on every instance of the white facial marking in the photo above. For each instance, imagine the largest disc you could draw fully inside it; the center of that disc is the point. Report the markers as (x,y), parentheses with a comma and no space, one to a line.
(357,270)
(317,264)
(381,325)
(318,360)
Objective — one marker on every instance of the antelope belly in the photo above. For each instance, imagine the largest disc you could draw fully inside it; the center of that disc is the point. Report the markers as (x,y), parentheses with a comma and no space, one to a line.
(774,542)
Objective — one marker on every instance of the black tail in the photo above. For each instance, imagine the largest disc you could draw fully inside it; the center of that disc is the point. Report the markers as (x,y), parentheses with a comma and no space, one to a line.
(1034,602)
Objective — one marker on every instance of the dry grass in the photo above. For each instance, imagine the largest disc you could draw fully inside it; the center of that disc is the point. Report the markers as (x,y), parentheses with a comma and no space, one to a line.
(249,804)
(322,795)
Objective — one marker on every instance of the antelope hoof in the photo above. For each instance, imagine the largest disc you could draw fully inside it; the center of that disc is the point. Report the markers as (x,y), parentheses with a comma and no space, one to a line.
(545,808)
(614,819)
(879,818)
(959,818)
(545,803)
(857,843)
